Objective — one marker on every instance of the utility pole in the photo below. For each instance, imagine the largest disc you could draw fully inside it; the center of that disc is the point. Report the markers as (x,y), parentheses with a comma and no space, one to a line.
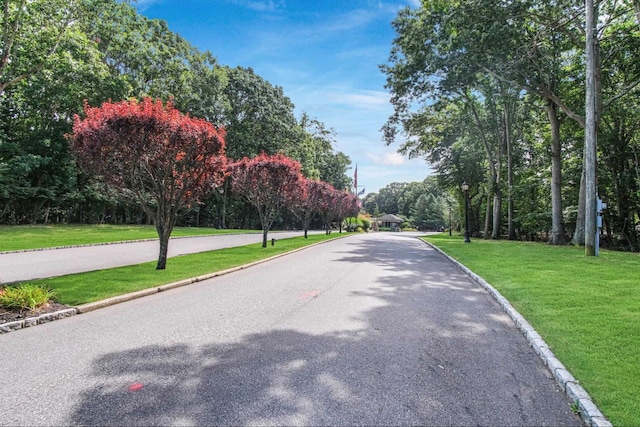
(590,133)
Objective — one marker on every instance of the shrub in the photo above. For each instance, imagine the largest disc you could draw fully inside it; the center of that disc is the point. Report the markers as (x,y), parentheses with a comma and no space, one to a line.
(25,296)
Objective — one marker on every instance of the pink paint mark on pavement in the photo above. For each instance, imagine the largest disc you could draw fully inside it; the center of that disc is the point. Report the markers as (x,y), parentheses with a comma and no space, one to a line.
(310,294)
(136,386)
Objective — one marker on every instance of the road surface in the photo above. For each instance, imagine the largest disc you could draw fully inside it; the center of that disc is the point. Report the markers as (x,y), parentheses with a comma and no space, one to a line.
(23,266)
(374,329)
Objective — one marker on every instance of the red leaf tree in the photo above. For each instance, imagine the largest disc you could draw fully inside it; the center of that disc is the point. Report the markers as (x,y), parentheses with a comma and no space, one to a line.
(337,206)
(269,183)
(153,155)
(314,202)
(347,205)
(328,211)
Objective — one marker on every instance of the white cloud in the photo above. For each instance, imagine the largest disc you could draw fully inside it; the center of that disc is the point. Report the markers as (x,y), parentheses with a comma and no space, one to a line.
(361,99)
(260,6)
(143,4)
(389,158)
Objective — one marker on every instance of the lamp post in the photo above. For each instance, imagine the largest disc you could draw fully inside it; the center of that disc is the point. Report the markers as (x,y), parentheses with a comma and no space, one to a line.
(449,203)
(465,188)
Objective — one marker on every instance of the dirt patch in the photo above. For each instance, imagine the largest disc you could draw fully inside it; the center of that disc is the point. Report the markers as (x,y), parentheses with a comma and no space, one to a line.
(7,316)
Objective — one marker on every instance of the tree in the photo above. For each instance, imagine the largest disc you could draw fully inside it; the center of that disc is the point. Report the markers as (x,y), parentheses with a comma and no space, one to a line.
(329,211)
(153,155)
(31,35)
(259,118)
(347,205)
(313,201)
(270,184)
(442,50)
(427,213)
(315,152)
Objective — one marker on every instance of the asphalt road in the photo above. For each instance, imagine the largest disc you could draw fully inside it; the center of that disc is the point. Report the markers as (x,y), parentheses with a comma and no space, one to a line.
(373,329)
(57,262)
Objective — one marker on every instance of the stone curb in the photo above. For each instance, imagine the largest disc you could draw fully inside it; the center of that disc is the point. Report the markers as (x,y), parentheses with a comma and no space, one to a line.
(85,308)
(589,412)
(39,320)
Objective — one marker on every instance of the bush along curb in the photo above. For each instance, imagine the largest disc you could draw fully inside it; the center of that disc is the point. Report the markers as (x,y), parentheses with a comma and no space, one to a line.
(582,402)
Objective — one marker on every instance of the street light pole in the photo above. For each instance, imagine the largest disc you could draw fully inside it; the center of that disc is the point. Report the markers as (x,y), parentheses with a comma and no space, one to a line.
(465,188)
(449,203)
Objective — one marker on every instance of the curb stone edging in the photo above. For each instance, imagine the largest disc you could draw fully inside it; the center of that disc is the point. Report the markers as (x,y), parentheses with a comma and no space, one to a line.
(38,320)
(589,412)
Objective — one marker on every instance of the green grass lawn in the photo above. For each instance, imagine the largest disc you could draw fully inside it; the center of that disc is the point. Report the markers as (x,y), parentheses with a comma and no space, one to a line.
(46,236)
(586,308)
(81,288)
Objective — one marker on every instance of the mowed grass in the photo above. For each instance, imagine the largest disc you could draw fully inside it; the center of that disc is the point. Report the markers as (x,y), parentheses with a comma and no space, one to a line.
(586,308)
(18,237)
(81,288)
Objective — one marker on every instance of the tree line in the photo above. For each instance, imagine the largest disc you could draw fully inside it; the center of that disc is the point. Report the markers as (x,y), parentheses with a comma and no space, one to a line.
(423,205)
(493,93)
(57,55)
(164,162)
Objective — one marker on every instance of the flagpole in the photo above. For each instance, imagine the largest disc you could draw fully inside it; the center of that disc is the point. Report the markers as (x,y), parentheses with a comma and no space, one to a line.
(355,180)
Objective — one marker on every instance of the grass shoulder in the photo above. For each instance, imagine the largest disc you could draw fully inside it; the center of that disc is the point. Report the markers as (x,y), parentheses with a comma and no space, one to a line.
(20,237)
(586,308)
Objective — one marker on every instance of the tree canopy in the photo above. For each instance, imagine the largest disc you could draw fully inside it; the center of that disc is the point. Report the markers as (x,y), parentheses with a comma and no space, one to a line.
(153,155)
(270,184)
(493,93)
(56,55)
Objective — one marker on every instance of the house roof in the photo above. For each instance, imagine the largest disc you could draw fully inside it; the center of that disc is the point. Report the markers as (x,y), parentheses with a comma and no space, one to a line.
(390,218)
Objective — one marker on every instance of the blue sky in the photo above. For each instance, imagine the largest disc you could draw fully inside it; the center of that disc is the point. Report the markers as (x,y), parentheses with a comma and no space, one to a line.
(323,53)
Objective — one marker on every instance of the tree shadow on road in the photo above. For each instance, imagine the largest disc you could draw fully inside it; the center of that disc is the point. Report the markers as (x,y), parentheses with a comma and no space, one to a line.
(434,351)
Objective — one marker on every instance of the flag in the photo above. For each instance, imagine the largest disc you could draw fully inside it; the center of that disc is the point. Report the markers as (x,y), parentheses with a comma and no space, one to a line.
(355,179)
(361,193)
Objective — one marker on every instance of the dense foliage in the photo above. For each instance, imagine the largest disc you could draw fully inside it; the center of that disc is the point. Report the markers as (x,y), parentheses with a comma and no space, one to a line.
(493,93)
(56,55)
(270,184)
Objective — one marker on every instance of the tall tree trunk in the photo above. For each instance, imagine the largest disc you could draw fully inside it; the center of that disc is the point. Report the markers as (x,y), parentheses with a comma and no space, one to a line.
(46,215)
(164,218)
(497,207)
(264,238)
(494,178)
(557,236)
(578,234)
(164,227)
(487,217)
(590,143)
(511,233)
(163,237)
